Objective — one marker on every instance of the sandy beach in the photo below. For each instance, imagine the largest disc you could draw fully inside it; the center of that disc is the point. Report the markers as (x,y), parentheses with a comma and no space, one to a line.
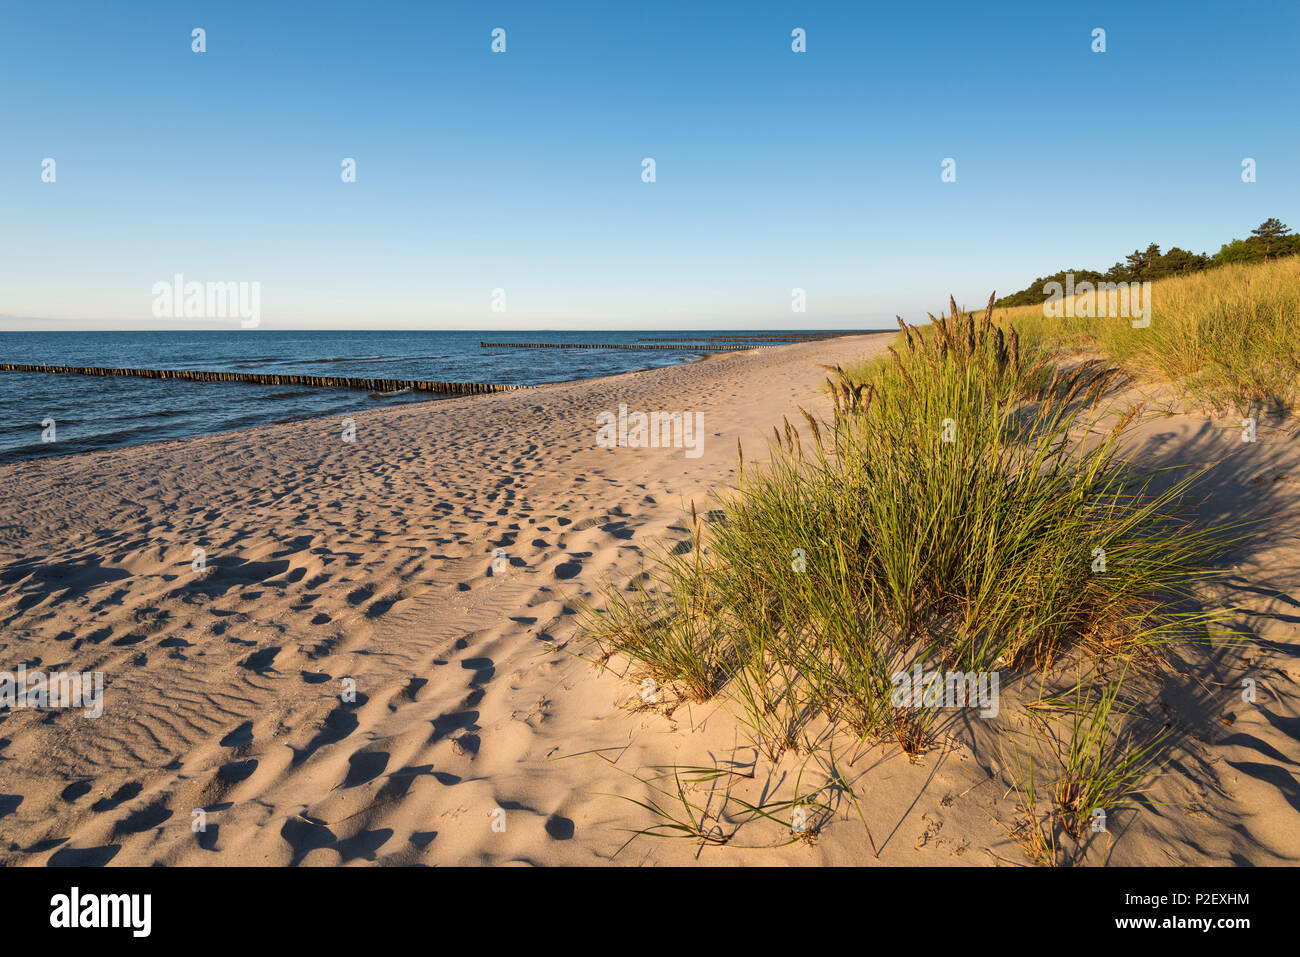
(432,565)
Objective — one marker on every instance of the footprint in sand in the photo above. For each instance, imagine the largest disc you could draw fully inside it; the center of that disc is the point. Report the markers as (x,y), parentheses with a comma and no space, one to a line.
(123,794)
(559,828)
(365,766)
(567,570)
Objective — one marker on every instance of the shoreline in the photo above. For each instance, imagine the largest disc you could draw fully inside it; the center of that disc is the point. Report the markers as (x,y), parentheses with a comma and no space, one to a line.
(371,560)
(432,567)
(702,357)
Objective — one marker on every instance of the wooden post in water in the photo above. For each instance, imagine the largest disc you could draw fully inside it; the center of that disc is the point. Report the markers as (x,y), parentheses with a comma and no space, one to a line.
(324,382)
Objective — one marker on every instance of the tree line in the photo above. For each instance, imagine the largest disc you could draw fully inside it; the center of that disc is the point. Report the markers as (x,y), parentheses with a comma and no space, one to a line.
(1269,240)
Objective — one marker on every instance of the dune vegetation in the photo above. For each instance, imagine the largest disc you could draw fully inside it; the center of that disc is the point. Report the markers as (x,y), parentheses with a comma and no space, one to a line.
(965,510)
(1226,339)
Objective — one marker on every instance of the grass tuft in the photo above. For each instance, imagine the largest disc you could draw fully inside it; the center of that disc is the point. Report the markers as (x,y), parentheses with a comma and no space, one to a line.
(965,508)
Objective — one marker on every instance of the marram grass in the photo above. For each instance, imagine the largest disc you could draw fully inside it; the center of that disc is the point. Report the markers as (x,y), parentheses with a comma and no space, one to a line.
(1227,339)
(959,510)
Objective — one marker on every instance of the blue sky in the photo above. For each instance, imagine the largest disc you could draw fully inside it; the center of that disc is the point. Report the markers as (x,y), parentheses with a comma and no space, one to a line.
(522,171)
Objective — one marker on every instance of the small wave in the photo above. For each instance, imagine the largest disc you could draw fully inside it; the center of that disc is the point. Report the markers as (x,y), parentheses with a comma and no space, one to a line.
(18,428)
(117,436)
(296,394)
(148,415)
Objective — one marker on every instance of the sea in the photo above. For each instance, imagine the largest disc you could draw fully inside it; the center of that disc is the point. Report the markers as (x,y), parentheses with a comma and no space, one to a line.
(89,413)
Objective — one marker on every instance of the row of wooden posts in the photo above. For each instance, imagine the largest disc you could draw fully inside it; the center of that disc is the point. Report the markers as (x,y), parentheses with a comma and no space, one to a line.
(699,344)
(686,347)
(275,378)
(756,337)
(714,344)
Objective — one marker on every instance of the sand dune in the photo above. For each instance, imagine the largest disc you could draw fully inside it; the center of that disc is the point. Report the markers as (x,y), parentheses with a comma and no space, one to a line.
(477,733)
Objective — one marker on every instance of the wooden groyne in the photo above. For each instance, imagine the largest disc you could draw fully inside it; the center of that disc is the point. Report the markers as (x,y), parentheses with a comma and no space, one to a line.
(696,344)
(275,378)
(753,337)
(685,347)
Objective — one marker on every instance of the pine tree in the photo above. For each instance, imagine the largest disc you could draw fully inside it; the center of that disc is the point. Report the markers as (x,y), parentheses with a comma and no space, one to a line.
(1272,237)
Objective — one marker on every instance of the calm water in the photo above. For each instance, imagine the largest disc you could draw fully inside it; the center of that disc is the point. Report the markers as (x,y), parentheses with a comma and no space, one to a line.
(92,413)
